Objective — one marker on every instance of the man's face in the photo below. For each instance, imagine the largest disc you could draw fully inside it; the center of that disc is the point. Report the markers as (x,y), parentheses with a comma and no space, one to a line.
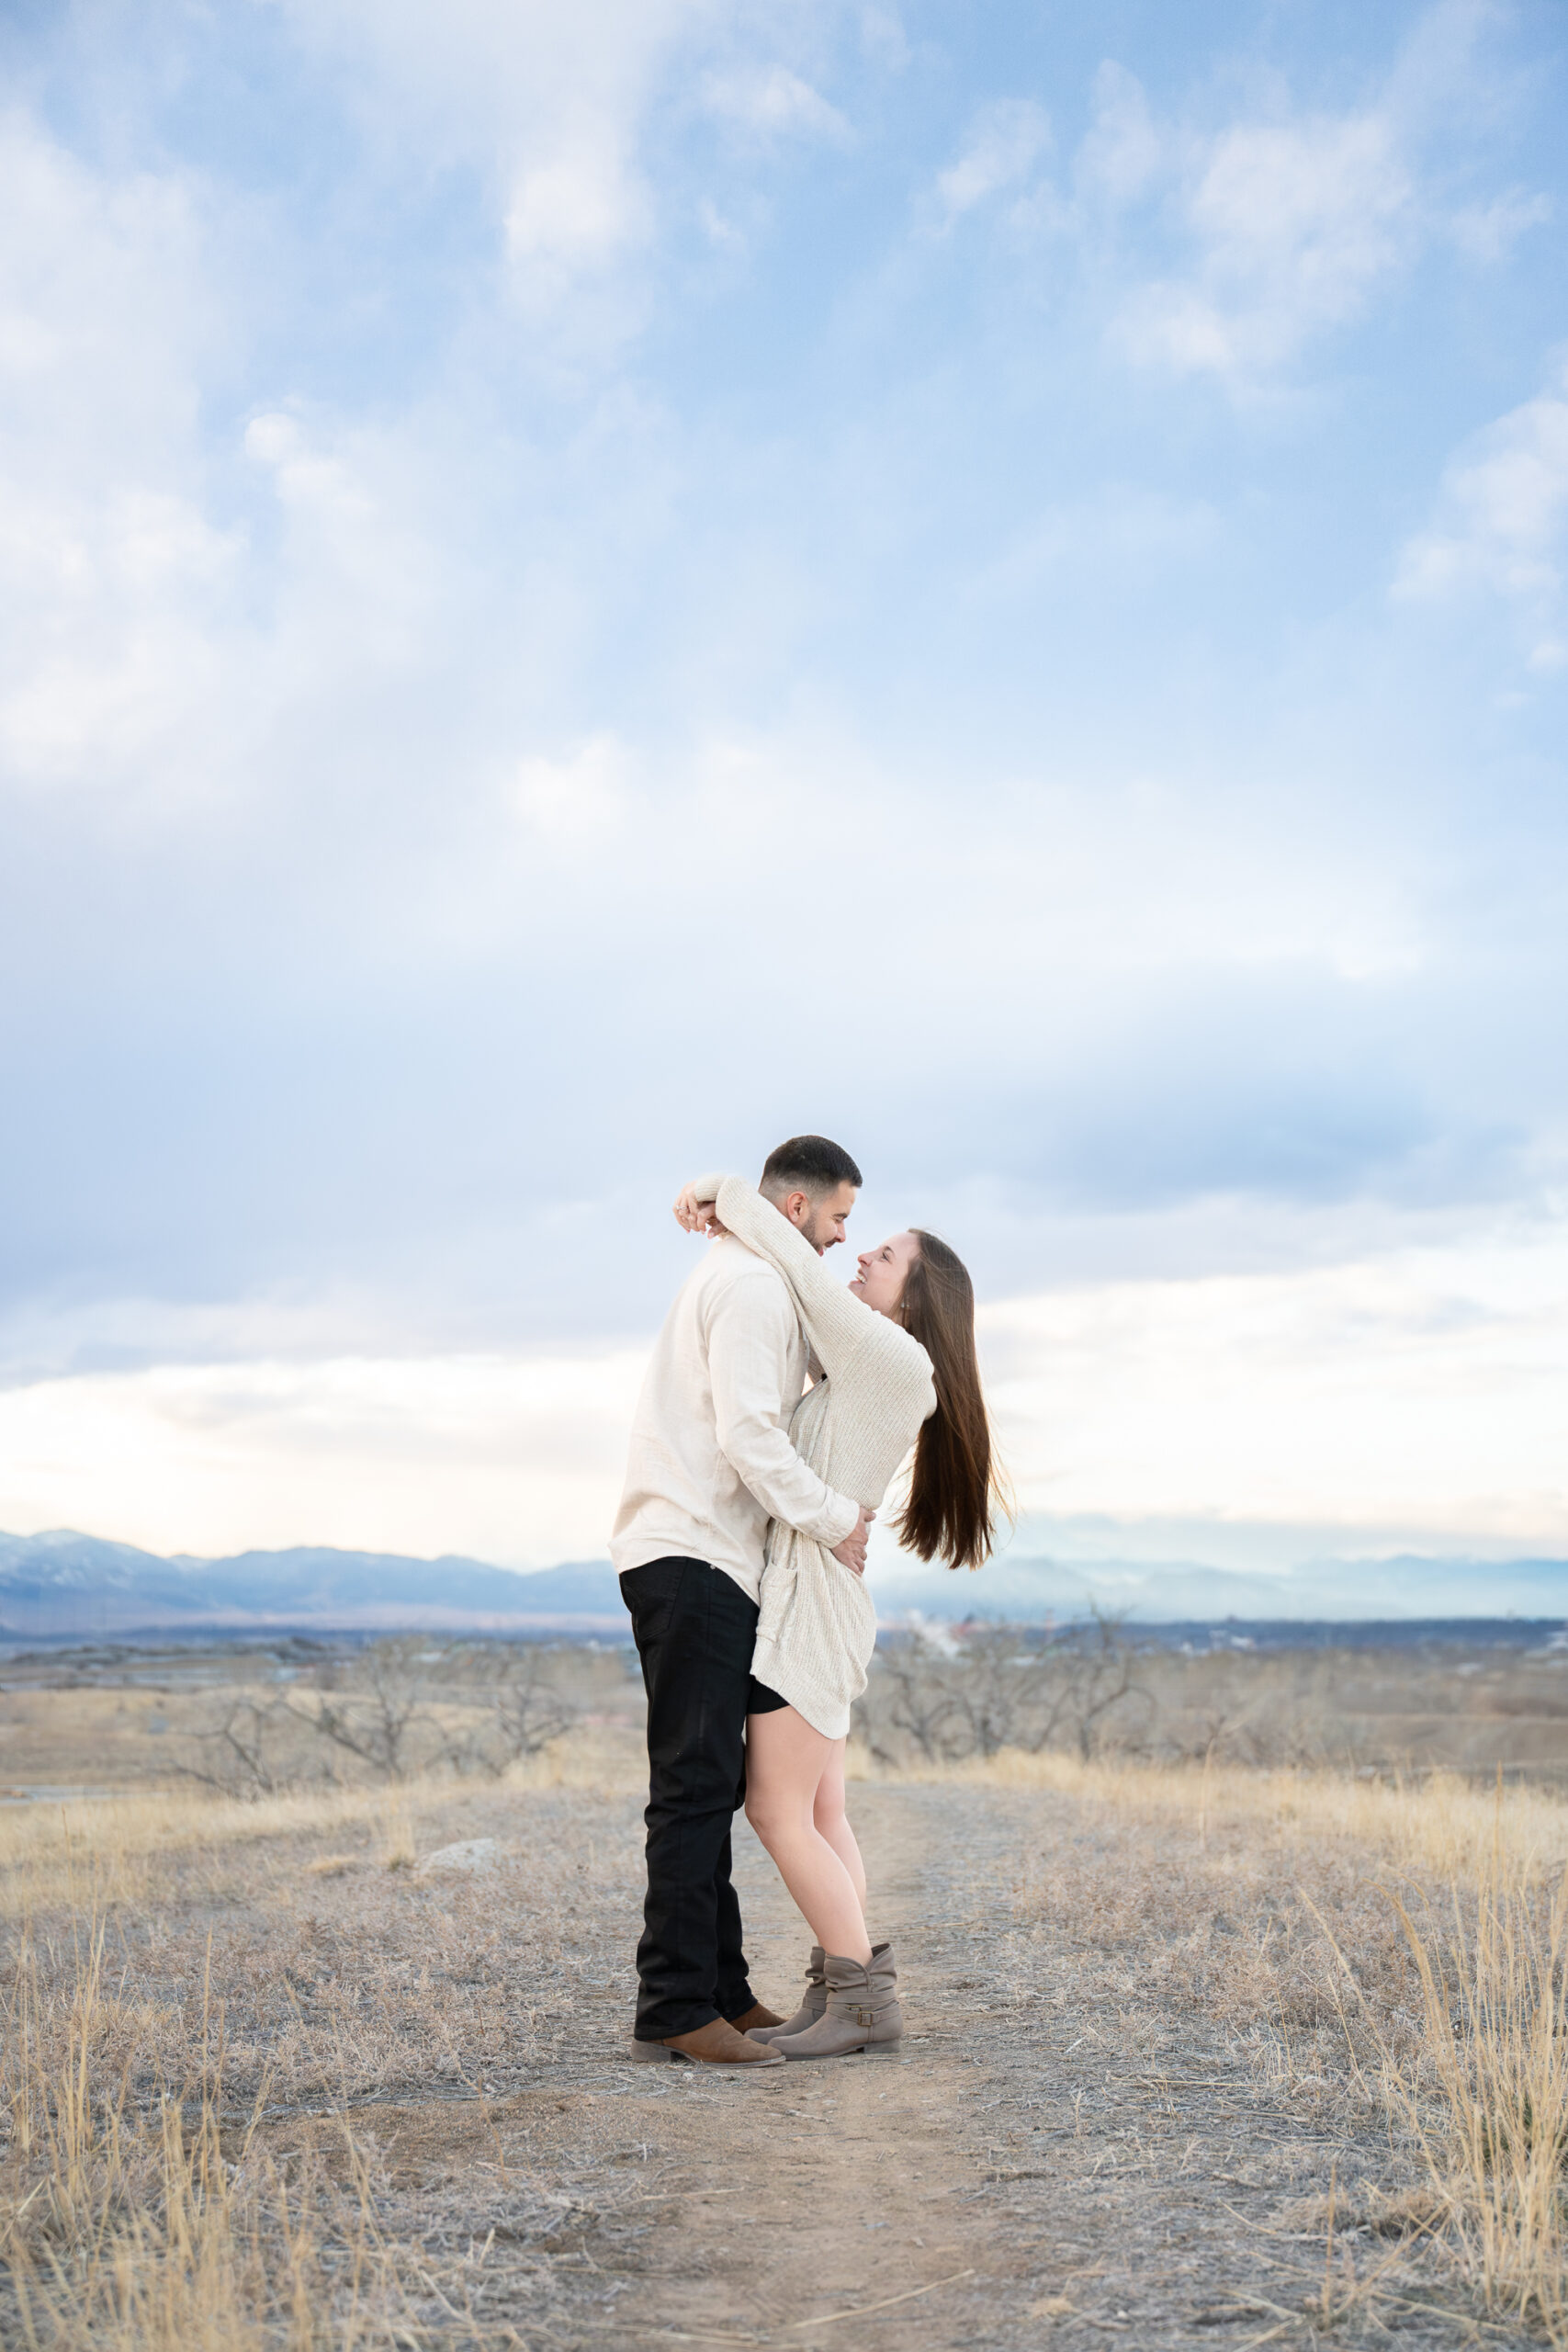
(822,1221)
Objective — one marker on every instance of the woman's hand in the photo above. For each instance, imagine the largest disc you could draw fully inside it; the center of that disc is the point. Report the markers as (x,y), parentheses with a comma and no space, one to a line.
(694,1215)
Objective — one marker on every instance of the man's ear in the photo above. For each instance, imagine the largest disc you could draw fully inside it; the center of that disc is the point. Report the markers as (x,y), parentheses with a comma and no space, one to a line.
(797,1208)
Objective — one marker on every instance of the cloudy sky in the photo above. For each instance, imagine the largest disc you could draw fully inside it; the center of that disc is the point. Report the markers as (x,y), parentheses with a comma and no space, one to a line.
(586,583)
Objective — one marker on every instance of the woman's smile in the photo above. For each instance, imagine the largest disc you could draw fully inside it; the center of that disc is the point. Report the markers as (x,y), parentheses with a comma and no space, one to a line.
(882,1272)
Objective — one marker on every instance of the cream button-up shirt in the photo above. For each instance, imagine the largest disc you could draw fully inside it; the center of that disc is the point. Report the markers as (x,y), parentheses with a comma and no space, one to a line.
(710,1460)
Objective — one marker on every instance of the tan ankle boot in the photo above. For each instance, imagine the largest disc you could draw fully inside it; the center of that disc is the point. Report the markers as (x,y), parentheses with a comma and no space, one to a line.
(757,2015)
(717,2044)
(862,2011)
(813,2001)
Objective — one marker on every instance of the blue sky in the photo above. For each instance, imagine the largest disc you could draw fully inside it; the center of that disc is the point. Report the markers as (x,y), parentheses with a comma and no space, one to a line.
(586,587)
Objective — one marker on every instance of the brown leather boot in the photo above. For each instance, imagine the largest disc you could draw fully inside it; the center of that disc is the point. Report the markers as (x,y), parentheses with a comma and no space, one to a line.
(862,2011)
(813,2001)
(715,2044)
(749,2019)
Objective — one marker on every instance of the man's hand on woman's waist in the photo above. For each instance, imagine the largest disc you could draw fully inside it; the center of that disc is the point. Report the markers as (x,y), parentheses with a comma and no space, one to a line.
(851,1551)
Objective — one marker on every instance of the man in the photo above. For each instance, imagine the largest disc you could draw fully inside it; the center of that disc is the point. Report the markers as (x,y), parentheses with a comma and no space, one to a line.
(710,1463)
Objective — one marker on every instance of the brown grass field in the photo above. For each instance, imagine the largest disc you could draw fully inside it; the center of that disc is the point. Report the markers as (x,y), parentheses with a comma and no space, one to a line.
(1250,2029)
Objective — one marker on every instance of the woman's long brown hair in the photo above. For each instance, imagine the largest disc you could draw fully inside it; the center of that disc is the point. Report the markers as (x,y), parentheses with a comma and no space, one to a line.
(955,1490)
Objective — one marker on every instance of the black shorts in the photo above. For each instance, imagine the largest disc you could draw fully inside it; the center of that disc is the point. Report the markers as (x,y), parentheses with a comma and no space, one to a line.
(761,1700)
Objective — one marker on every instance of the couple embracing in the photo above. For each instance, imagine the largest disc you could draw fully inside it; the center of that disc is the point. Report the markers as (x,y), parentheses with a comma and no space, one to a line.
(740,1543)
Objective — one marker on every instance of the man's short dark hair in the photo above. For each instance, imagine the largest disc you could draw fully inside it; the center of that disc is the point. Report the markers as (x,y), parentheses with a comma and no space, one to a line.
(809,1164)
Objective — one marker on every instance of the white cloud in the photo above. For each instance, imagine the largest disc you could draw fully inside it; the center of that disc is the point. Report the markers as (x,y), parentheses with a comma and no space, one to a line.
(770,101)
(720,231)
(579,201)
(309,480)
(1420,1393)
(1294,225)
(1502,520)
(549,107)
(362,579)
(549,102)
(1123,149)
(1259,884)
(580,800)
(518,1461)
(1005,142)
(112,575)
(1124,529)
(883,37)
(1488,232)
(552,102)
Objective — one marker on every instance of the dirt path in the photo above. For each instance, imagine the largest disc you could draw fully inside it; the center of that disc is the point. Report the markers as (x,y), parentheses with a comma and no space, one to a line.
(826,2189)
(1041,2164)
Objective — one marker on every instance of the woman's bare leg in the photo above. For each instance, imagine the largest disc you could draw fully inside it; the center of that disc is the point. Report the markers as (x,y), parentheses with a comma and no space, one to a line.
(785,1763)
(833,1822)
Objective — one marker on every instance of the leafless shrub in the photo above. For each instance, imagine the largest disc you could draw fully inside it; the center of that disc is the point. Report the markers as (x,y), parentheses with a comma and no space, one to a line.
(523,1709)
(251,1746)
(947,1697)
(910,1703)
(1245,1712)
(396,1710)
(1099,1678)
(380,1717)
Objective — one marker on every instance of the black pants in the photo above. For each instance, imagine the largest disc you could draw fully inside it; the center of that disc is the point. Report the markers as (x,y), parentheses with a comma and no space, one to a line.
(695,1630)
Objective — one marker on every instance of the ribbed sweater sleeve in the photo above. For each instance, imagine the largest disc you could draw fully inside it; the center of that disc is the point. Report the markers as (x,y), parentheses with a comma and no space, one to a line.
(747,1343)
(837,1322)
(866,1358)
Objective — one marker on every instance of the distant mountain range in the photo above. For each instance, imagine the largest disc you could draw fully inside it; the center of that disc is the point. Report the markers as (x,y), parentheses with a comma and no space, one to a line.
(62,1585)
(65,1583)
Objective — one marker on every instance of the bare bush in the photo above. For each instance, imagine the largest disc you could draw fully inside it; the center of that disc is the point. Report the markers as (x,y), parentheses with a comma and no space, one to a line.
(398,1709)
(474,1706)
(524,1708)
(379,1717)
(251,1746)
(1242,1710)
(947,1697)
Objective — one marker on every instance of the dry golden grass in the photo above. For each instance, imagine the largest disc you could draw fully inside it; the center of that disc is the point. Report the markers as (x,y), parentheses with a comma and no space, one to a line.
(1404,1943)
(102,1853)
(1369,1944)
(128,2226)
(1486,2101)
(1440,1825)
(179,1963)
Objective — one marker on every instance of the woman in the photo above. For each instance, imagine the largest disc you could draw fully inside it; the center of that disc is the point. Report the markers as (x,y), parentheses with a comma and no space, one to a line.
(898,1353)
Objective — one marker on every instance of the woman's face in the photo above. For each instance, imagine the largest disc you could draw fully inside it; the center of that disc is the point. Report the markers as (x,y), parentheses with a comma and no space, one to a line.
(884,1271)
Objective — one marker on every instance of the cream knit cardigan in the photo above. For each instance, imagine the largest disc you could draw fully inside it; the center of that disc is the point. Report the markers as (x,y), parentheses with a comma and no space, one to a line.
(817,1625)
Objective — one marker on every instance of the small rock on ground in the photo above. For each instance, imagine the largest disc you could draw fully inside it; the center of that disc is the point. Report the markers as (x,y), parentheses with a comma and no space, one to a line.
(473,1854)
